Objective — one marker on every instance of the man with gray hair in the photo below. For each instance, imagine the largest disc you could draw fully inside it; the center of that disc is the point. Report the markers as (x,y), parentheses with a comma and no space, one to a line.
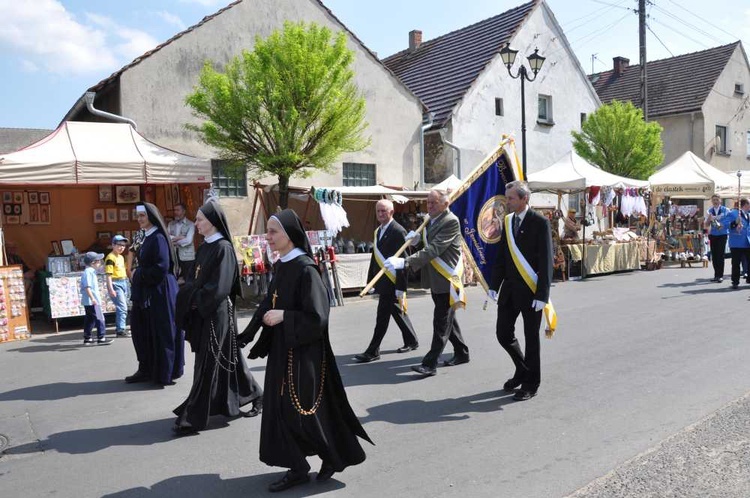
(442,271)
(391,289)
(523,257)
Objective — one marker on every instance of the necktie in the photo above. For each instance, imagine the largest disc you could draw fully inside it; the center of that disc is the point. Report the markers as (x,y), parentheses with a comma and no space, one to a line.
(516,224)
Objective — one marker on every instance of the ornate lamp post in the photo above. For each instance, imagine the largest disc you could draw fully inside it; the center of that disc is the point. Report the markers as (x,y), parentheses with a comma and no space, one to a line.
(535,62)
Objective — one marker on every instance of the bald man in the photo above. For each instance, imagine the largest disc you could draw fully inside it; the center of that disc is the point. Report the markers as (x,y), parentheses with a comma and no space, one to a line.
(391,288)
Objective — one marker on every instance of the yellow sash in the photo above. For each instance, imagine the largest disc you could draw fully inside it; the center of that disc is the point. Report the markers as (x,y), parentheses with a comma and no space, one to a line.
(529,276)
(454,276)
(380,260)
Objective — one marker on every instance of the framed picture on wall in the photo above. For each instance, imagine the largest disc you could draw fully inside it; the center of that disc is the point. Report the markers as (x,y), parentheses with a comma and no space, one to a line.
(8,208)
(43,197)
(17,197)
(105,193)
(44,213)
(12,219)
(33,197)
(99,215)
(7,197)
(127,194)
(124,215)
(126,234)
(34,213)
(104,235)
(56,249)
(111,215)
(134,215)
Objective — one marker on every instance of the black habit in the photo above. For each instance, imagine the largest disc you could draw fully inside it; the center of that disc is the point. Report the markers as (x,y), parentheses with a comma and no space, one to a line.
(300,361)
(222,382)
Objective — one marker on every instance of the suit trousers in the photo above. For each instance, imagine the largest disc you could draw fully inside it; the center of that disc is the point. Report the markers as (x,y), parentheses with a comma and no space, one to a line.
(388,307)
(718,245)
(739,254)
(528,369)
(444,328)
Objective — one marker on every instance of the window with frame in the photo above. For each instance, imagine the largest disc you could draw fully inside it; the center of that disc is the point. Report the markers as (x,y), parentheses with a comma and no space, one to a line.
(359,174)
(739,89)
(544,114)
(228,180)
(721,140)
(498,107)
(583,118)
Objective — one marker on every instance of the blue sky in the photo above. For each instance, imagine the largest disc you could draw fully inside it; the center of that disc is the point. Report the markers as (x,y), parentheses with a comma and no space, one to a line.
(51,51)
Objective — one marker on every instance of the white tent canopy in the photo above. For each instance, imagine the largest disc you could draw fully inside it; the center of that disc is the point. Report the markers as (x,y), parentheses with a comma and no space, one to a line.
(92,153)
(689,176)
(572,172)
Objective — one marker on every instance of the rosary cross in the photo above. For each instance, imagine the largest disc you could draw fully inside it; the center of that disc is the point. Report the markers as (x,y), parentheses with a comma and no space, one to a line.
(273,299)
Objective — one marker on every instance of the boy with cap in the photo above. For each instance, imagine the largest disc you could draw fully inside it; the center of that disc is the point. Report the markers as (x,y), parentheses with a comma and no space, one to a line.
(90,300)
(117,283)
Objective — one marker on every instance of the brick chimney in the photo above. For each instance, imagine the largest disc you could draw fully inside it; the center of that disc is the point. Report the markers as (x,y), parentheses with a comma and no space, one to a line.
(415,39)
(620,64)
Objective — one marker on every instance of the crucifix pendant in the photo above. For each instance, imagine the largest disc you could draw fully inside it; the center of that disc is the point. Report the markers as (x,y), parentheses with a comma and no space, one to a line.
(273,300)
(197,270)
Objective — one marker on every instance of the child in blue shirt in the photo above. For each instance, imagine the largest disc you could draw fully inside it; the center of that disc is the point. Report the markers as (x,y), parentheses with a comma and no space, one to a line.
(91,301)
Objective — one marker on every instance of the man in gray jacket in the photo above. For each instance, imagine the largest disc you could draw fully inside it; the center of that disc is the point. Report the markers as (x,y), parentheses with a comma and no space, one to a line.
(181,231)
(442,267)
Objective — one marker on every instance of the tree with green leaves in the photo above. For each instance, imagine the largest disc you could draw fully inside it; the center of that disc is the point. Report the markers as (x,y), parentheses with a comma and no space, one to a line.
(617,139)
(288,108)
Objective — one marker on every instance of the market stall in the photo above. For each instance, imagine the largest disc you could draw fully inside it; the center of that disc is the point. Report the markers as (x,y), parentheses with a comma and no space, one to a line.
(76,188)
(680,190)
(604,252)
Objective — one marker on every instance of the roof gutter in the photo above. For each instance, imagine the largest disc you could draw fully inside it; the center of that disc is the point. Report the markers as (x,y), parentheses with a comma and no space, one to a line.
(89,98)
(455,147)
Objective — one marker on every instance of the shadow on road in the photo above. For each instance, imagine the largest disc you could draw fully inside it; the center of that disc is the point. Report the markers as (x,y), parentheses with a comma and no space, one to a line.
(697,281)
(712,290)
(380,371)
(214,485)
(92,440)
(417,411)
(63,390)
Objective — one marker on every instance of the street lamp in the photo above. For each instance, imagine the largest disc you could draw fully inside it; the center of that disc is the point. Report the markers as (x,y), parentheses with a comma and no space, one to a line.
(535,62)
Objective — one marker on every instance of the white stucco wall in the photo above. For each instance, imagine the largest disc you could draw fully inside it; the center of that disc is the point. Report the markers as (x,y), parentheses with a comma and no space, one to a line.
(477,130)
(726,108)
(681,133)
(153,94)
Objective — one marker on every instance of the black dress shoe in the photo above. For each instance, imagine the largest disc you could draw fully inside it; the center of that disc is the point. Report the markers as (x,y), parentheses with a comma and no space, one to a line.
(366,357)
(407,348)
(181,430)
(326,472)
(523,395)
(137,377)
(456,360)
(423,370)
(255,410)
(290,479)
(511,384)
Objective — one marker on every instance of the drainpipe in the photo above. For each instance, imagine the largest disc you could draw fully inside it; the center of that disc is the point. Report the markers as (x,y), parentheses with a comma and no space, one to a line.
(426,126)
(89,98)
(454,147)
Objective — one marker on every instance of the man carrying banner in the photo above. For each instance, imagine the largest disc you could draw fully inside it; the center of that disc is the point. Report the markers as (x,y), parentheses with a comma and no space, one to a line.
(391,289)
(523,272)
(442,271)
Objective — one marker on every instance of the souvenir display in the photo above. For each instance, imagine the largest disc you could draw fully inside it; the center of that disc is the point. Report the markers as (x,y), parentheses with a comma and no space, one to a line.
(65,295)
(14,323)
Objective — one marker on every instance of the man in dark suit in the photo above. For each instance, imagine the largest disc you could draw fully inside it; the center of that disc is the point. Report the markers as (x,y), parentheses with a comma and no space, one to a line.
(441,264)
(531,240)
(391,288)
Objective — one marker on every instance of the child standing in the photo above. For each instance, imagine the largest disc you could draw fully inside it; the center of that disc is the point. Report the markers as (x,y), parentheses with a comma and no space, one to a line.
(91,301)
(117,283)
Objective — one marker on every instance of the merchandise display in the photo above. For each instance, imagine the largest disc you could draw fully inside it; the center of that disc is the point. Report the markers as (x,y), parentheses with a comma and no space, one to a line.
(14,313)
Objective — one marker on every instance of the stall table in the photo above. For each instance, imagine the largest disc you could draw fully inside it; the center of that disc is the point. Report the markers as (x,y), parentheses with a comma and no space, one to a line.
(61,296)
(606,258)
(352,269)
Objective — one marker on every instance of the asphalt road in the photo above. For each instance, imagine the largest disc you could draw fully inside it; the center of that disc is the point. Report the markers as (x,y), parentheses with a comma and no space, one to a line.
(642,363)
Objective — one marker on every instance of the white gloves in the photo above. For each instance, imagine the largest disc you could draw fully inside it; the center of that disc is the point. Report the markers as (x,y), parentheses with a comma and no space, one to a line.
(538,305)
(399,294)
(393,263)
(492,294)
(413,237)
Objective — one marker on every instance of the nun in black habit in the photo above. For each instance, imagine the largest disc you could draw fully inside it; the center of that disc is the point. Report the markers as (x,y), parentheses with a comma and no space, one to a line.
(222,382)
(305,408)
(158,344)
